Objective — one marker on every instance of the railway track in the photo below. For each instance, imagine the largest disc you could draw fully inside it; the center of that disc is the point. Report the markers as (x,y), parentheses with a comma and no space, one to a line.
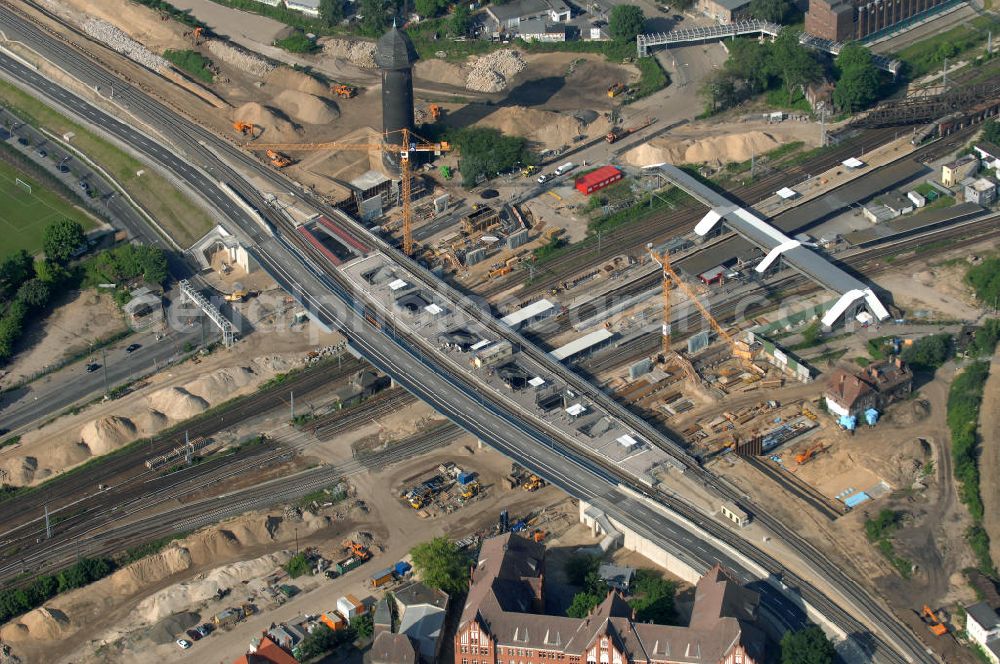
(189,137)
(793,485)
(868,261)
(127,468)
(381,404)
(665,224)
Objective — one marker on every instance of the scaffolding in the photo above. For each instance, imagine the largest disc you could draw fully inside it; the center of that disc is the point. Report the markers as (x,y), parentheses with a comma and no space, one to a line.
(210,310)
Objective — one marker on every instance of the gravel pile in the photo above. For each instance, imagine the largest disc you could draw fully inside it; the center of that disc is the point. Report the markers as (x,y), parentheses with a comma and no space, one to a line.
(491,72)
(360,53)
(121,42)
(242,60)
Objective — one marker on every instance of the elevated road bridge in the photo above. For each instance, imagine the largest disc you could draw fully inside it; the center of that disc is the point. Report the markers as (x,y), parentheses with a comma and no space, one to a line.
(697,35)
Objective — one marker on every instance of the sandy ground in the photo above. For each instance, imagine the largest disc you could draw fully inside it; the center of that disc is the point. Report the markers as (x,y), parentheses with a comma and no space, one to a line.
(989,461)
(937,290)
(233,22)
(83,318)
(716,144)
(165,399)
(140,23)
(137,622)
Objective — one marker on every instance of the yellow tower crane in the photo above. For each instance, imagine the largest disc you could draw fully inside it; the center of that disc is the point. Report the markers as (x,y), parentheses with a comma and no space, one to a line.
(670,278)
(410,145)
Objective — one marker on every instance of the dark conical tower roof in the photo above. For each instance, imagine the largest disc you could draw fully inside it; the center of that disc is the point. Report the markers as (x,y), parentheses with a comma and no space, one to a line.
(394,50)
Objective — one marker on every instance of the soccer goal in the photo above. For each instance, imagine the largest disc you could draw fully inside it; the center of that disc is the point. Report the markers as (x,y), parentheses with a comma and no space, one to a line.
(23,185)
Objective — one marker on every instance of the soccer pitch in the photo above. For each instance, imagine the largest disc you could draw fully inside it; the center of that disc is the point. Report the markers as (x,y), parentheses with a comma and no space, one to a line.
(26,207)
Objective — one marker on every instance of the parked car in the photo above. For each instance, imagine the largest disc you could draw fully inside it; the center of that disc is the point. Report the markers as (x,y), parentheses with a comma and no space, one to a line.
(194,634)
(184,644)
(92,367)
(132,348)
(543,178)
(205,629)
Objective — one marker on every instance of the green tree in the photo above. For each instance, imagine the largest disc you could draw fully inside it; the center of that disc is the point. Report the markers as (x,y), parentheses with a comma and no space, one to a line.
(930,352)
(653,598)
(776,11)
(61,239)
(363,626)
(297,565)
(583,604)
(442,565)
(322,640)
(752,62)
(579,567)
(331,11)
(373,19)
(720,92)
(985,280)
(34,293)
(15,269)
(858,83)
(626,22)
(428,8)
(991,131)
(486,152)
(461,20)
(795,63)
(807,646)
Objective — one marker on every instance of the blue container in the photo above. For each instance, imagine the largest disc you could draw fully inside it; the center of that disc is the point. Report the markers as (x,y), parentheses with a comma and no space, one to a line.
(465,478)
(403,568)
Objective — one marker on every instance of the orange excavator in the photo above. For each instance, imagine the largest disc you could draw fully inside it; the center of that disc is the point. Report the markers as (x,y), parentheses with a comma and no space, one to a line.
(937,627)
(357,550)
(245,128)
(344,90)
(435,112)
(278,160)
(806,456)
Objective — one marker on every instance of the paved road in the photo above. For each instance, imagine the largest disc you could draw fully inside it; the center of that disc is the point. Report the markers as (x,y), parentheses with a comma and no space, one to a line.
(62,389)
(534,442)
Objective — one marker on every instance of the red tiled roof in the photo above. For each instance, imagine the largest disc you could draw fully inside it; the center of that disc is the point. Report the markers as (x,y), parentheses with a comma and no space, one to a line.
(268,652)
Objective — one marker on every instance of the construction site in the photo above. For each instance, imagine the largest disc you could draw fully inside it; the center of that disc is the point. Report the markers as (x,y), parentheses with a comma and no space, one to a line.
(748,285)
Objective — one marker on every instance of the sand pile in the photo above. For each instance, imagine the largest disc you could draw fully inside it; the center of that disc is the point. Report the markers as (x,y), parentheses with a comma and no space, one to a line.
(264,117)
(491,72)
(714,150)
(440,71)
(150,421)
(307,108)
(107,434)
(121,42)
(221,384)
(548,128)
(243,60)
(177,403)
(360,53)
(40,624)
(180,596)
(173,626)
(19,470)
(148,570)
(290,79)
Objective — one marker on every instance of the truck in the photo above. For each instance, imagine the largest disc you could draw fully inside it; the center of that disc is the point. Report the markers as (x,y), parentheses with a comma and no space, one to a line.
(347,564)
(618,133)
(565,168)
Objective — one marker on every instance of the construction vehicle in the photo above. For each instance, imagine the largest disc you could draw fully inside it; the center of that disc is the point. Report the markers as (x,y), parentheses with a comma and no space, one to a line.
(237,295)
(616,89)
(618,133)
(539,535)
(500,271)
(533,483)
(807,455)
(470,490)
(435,112)
(937,627)
(357,550)
(445,172)
(408,145)
(343,90)
(278,160)
(245,128)
(740,349)
(528,171)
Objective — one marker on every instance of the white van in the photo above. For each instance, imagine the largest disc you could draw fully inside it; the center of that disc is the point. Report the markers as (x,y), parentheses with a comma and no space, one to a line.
(565,168)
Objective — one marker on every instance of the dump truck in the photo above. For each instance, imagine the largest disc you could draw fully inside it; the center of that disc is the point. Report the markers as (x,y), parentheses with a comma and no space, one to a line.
(278,160)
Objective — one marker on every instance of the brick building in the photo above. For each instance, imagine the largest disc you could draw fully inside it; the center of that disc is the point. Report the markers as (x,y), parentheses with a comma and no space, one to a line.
(845,20)
(502,620)
(878,385)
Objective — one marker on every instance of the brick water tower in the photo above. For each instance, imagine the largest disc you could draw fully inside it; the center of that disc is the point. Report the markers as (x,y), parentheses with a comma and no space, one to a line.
(395,55)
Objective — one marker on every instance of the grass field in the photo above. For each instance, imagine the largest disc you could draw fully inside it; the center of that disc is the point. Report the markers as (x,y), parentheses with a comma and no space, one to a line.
(181,218)
(24,215)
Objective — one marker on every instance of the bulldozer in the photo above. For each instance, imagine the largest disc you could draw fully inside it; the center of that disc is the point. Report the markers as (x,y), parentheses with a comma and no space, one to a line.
(357,550)
(937,627)
(245,128)
(533,483)
(278,160)
(343,90)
